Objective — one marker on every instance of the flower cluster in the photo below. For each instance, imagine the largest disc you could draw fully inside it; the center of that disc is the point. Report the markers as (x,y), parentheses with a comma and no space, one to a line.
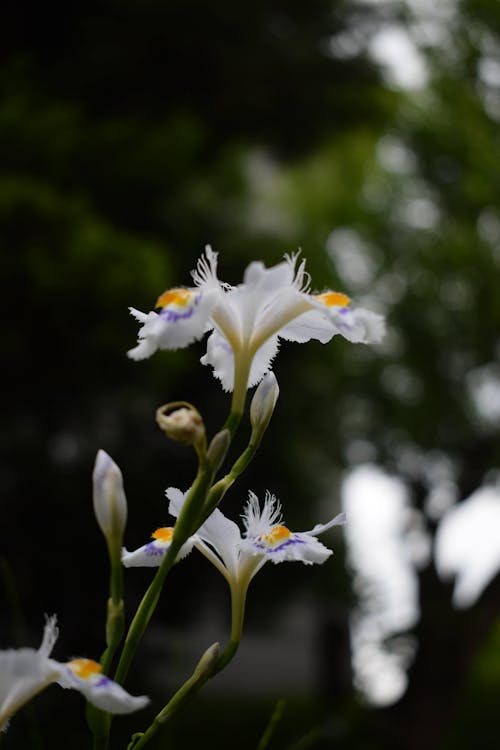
(245,325)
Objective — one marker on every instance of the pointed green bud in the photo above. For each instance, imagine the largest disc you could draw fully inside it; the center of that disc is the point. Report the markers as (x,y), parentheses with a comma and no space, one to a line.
(110,503)
(263,402)
(181,422)
(218,448)
(205,667)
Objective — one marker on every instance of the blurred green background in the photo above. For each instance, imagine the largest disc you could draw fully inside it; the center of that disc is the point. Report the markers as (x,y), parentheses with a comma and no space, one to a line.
(132,134)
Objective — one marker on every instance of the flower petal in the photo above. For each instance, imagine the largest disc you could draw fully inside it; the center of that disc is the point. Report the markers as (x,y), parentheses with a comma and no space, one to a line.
(224,536)
(310,325)
(183,319)
(100,690)
(176,498)
(339,520)
(220,356)
(24,672)
(151,554)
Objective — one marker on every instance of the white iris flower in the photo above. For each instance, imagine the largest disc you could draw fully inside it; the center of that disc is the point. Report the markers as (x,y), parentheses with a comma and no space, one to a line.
(248,320)
(239,557)
(265,539)
(25,672)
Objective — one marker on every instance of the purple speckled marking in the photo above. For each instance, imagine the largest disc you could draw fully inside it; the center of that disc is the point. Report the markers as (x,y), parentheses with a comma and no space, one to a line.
(288,543)
(102,682)
(344,324)
(152,550)
(223,344)
(172,317)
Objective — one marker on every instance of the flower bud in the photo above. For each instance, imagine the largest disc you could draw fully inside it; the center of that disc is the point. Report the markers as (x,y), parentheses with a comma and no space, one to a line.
(218,448)
(263,402)
(181,422)
(205,667)
(110,503)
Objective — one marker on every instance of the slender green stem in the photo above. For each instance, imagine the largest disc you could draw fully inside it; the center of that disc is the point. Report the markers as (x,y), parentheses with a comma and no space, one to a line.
(115,622)
(242,364)
(144,612)
(272,724)
(220,488)
(183,529)
(238,599)
(182,697)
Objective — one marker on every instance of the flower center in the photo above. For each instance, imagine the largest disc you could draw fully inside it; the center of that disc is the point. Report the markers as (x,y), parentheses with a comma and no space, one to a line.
(84,668)
(164,534)
(333,299)
(276,536)
(179,297)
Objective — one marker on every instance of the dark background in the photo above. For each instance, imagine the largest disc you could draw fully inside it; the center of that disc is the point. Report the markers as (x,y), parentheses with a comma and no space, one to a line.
(131,134)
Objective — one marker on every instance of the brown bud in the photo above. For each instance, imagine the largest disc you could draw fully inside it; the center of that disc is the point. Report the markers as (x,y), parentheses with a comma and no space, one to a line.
(181,422)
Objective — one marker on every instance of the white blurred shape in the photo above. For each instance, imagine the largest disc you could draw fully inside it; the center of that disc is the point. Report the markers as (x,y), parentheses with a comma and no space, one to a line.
(384,541)
(351,256)
(483,385)
(393,48)
(468,545)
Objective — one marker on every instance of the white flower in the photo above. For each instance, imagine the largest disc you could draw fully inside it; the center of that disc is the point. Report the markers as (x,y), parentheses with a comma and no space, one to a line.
(248,320)
(151,554)
(25,672)
(265,539)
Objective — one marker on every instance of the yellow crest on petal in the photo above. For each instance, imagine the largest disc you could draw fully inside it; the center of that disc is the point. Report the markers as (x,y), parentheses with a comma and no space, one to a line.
(333,299)
(84,668)
(164,534)
(179,297)
(276,536)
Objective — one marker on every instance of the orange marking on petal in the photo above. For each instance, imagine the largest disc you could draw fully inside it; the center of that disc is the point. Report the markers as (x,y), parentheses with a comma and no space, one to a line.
(84,668)
(179,297)
(164,534)
(334,299)
(277,535)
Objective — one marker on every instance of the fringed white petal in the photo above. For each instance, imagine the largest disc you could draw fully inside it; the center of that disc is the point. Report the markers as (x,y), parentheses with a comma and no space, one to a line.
(320,528)
(310,325)
(262,361)
(150,555)
(102,692)
(259,521)
(176,500)
(220,357)
(300,548)
(175,327)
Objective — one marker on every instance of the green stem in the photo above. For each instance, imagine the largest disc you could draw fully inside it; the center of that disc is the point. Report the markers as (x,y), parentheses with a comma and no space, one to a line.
(115,622)
(242,364)
(238,600)
(220,488)
(272,724)
(99,721)
(202,673)
(183,529)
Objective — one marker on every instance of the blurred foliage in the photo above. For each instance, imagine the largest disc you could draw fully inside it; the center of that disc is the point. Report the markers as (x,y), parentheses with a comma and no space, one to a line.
(131,134)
